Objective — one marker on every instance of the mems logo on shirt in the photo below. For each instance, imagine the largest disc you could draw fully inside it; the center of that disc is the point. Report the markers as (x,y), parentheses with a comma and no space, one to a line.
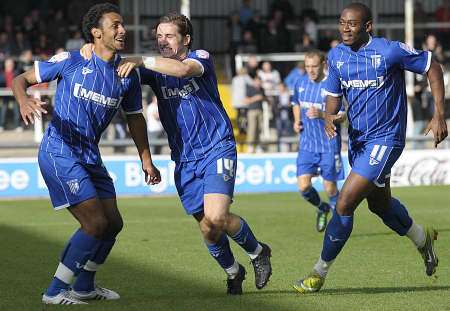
(80,92)
(187,89)
(362,84)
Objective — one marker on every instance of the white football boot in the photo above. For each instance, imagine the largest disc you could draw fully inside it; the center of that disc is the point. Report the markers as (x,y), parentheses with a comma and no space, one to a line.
(65,297)
(99,293)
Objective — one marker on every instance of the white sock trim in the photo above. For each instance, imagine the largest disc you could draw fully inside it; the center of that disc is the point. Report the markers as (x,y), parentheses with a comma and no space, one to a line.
(256,253)
(91,266)
(322,267)
(64,274)
(417,235)
(233,270)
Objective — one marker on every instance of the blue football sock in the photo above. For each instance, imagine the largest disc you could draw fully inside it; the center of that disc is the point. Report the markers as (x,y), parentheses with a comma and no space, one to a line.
(333,199)
(85,280)
(336,235)
(221,252)
(56,286)
(396,217)
(77,252)
(324,207)
(245,238)
(311,196)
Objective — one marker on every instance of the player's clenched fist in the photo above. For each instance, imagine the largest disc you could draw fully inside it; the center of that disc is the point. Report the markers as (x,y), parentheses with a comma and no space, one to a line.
(330,127)
(30,109)
(152,174)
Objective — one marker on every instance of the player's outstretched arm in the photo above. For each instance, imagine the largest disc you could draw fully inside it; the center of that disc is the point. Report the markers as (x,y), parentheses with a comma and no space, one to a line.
(330,116)
(437,124)
(138,131)
(298,127)
(167,66)
(30,108)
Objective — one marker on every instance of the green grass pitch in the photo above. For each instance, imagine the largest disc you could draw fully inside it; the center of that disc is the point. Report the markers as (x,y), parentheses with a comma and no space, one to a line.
(160,262)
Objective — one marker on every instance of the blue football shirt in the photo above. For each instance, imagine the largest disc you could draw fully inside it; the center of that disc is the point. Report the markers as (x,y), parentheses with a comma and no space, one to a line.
(373,82)
(88,95)
(313,138)
(294,75)
(190,110)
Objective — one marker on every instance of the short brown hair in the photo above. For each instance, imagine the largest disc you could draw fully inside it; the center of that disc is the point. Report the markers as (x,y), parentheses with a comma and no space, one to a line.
(312,53)
(182,22)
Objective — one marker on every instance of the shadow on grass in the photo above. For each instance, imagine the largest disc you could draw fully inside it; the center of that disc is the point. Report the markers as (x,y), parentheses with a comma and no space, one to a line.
(382,290)
(356,291)
(29,260)
(367,235)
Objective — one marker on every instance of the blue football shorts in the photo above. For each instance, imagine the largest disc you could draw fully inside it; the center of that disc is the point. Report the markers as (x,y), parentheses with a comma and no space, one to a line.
(215,173)
(70,181)
(328,165)
(373,161)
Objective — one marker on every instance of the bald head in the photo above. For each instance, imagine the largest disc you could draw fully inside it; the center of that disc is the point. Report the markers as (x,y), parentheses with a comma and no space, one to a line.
(366,13)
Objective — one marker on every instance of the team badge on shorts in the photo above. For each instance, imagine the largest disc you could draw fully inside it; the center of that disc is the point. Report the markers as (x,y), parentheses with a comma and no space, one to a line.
(74,186)
(377,154)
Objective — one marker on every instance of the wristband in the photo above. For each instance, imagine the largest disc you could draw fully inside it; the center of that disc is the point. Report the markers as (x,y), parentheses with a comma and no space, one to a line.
(149,61)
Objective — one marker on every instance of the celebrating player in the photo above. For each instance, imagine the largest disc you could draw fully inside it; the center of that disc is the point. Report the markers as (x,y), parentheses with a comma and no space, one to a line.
(202,144)
(369,72)
(88,95)
(315,150)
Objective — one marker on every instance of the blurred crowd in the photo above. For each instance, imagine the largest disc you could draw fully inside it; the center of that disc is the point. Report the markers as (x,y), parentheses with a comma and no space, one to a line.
(36,33)
(284,30)
(260,91)
(261,95)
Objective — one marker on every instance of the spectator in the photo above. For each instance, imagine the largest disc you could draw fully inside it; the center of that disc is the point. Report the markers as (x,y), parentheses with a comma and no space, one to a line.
(283,119)
(297,73)
(58,26)
(6,78)
(325,40)
(5,46)
(238,92)
(26,60)
(117,130)
(433,45)
(274,39)
(20,44)
(419,111)
(253,99)
(305,45)
(252,66)
(420,17)
(8,25)
(270,78)
(283,6)
(256,26)
(235,38)
(28,26)
(155,130)
(334,43)
(75,42)
(245,12)
(310,24)
(248,44)
(442,14)
(43,48)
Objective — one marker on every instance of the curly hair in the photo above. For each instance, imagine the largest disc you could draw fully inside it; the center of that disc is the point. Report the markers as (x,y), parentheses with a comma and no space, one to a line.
(182,22)
(93,17)
(364,9)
